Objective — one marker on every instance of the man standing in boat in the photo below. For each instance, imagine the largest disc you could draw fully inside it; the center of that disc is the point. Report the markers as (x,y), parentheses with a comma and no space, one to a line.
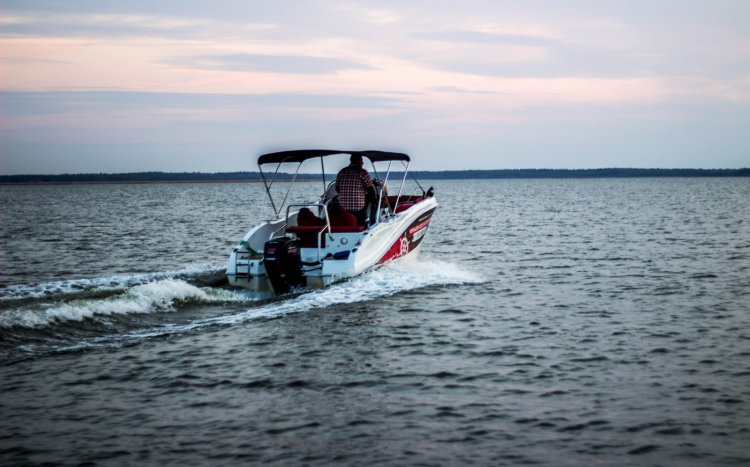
(354,184)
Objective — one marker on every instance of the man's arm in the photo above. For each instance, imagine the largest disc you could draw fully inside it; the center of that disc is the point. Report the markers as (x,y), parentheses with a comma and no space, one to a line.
(366,180)
(370,195)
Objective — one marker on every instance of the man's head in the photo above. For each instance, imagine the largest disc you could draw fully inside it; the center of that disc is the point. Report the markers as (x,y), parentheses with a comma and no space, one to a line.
(356,160)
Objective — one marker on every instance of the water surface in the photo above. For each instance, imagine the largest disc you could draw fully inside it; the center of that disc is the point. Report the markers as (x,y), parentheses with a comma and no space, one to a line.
(556,322)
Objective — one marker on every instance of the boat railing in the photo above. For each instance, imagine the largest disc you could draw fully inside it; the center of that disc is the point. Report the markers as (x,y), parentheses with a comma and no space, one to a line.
(400,189)
(323,227)
(415,194)
(270,237)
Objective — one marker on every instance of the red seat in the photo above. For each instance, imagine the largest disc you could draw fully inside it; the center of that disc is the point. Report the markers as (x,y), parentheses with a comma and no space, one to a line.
(307,228)
(305,218)
(314,229)
(309,225)
(403,207)
(405,199)
(342,221)
(347,228)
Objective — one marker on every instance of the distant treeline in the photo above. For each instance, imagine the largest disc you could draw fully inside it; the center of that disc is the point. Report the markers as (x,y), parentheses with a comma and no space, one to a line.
(579,173)
(142,177)
(154,177)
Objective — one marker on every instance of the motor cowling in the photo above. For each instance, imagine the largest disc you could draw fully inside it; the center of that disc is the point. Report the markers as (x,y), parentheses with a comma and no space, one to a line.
(281,257)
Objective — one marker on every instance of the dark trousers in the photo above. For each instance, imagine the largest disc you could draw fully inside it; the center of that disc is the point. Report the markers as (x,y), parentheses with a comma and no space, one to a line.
(361,216)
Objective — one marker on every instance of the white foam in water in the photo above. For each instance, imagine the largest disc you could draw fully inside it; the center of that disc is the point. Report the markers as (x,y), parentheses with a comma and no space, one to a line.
(152,297)
(17,292)
(392,278)
(159,296)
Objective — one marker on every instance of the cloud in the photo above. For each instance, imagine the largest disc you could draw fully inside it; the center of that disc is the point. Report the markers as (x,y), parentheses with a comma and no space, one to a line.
(456,89)
(530,56)
(590,61)
(526,56)
(487,38)
(58,103)
(41,24)
(298,64)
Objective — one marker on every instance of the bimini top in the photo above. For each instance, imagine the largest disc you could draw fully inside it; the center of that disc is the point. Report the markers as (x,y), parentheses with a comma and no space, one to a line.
(304,154)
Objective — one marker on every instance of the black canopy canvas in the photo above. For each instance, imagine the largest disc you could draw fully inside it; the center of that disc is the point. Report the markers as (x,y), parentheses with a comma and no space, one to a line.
(305,154)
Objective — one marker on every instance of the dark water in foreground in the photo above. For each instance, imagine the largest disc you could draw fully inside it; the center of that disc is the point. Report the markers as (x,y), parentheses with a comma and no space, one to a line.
(552,322)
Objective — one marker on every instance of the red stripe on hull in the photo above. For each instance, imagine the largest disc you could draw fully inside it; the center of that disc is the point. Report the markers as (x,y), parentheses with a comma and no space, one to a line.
(410,239)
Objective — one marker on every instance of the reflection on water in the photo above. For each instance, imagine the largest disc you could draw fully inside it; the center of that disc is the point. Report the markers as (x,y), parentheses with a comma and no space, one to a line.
(562,322)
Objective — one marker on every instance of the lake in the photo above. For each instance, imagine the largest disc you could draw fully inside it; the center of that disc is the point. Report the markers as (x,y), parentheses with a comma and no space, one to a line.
(553,322)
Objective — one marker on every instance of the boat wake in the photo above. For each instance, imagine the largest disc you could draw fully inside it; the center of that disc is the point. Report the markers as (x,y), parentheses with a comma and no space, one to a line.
(392,278)
(205,274)
(116,311)
(166,295)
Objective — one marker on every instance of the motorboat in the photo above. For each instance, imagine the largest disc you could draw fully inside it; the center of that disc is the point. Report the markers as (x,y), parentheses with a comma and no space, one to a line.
(315,243)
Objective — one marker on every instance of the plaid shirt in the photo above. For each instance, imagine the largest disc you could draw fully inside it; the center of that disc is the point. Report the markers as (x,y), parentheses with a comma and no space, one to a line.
(352,184)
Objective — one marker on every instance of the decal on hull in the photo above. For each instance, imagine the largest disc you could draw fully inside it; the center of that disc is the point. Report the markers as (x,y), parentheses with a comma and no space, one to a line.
(410,239)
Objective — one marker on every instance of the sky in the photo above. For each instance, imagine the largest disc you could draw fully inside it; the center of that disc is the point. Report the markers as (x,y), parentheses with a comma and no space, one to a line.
(182,86)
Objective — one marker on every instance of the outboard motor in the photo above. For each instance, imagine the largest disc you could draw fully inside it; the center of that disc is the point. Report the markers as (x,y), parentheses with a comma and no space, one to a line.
(281,257)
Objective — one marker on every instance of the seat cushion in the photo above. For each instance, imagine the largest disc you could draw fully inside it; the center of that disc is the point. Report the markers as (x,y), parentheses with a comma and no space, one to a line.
(305,229)
(347,228)
(308,235)
(305,218)
(405,199)
(339,217)
(403,207)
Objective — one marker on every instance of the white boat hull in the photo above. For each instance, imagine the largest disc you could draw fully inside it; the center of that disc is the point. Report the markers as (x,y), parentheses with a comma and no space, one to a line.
(397,237)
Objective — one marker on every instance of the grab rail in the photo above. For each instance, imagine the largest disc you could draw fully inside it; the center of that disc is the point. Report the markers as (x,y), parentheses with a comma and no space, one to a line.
(327,226)
(401,187)
(270,237)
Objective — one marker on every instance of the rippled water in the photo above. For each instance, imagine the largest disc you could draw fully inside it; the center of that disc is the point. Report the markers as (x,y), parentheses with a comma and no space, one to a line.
(558,322)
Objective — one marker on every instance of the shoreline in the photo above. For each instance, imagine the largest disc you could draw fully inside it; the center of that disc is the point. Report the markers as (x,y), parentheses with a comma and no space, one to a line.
(145,182)
(255,177)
